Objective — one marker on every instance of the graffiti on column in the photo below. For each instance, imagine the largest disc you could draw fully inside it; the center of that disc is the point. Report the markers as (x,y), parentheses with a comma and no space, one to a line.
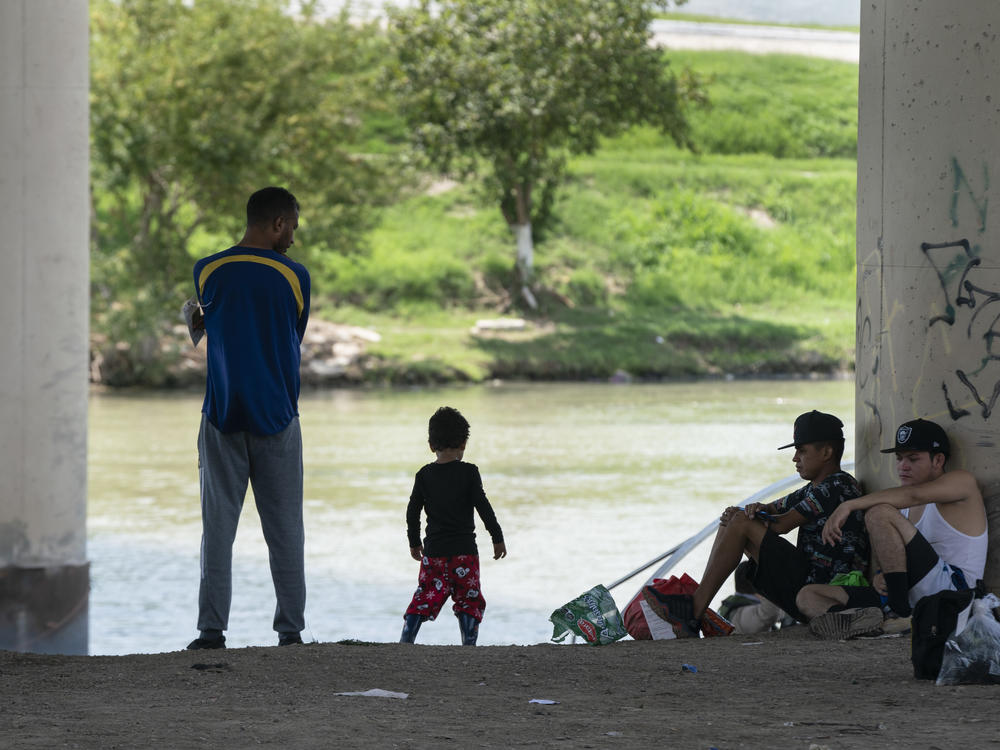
(871,337)
(868,341)
(962,187)
(969,308)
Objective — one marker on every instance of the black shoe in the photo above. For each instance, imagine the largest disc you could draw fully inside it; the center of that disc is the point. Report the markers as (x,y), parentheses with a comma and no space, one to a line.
(202,643)
(289,639)
(411,624)
(469,626)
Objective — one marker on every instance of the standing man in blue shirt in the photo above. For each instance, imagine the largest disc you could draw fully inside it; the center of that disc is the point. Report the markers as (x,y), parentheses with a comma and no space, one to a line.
(254,305)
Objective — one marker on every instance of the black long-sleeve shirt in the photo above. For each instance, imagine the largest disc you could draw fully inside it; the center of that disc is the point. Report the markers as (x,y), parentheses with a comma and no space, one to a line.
(449,493)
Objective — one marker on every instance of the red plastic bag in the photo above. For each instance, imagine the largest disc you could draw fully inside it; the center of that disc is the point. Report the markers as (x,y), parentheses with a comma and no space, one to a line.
(645,625)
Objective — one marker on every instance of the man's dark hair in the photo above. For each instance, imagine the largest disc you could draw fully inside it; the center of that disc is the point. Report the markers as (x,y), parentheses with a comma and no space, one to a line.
(268,204)
(838,449)
(447,429)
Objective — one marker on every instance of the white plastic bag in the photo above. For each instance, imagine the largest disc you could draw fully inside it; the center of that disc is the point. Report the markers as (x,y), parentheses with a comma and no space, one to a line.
(972,655)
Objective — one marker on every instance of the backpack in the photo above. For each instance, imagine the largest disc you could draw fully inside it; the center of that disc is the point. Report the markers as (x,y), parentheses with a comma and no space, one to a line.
(934,619)
(733,602)
(641,622)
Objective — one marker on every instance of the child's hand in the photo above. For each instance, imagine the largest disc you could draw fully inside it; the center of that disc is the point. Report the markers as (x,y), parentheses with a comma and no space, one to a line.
(417,553)
(499,550)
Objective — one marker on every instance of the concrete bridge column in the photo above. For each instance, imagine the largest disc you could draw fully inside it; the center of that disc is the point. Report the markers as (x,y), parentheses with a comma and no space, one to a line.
(44,213)
(928,237)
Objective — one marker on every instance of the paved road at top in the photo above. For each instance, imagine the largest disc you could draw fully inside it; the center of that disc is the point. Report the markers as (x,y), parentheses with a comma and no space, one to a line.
(833,45)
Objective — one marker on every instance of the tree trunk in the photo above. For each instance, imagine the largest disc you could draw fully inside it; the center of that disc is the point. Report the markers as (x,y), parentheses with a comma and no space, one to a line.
(525,261)
(525,244)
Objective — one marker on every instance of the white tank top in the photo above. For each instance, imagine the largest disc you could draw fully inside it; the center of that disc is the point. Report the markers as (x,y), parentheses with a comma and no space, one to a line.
(952,546)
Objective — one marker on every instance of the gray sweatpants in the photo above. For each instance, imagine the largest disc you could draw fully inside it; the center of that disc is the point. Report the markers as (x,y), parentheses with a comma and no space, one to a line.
(273,466)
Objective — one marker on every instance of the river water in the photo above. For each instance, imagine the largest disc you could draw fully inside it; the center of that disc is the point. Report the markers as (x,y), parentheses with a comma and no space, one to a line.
(589,481)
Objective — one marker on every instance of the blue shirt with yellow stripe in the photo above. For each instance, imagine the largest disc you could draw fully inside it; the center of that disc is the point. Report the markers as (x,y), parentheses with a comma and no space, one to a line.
(256,306)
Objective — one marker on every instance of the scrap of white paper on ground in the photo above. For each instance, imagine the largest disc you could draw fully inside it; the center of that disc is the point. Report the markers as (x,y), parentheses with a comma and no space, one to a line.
(544,701)
(378,693)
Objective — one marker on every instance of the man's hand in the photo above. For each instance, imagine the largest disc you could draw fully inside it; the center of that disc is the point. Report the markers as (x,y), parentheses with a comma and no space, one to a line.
(499,550)
(833,528)
(878,583)
(417,553)
(752,508)
(727,515)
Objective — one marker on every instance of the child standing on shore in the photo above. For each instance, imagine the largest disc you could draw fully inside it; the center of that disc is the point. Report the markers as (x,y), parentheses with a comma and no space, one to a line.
(448,489)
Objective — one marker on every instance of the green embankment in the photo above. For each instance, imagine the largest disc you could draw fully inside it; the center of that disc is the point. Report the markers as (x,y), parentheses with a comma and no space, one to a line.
(657,262)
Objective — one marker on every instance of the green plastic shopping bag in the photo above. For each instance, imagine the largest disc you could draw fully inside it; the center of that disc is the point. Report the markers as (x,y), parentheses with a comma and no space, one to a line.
(593,616)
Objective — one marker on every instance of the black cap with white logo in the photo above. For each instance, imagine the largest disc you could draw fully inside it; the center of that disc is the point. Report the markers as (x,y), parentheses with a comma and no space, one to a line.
(920,435)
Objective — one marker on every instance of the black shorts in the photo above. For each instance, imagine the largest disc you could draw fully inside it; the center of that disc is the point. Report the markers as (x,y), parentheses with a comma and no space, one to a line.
(862,596)
(781,572)
(921,559)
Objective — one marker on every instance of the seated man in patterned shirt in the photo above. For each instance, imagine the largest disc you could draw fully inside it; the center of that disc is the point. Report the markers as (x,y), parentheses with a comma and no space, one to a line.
(781,568)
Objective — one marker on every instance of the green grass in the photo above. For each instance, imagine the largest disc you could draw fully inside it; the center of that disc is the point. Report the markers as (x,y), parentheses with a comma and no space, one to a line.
(783,105)
(658,262)
(594,343)
(427,345)
(654,265)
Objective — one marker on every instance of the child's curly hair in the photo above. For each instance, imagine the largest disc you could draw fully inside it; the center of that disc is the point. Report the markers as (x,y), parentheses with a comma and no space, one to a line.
(447,429)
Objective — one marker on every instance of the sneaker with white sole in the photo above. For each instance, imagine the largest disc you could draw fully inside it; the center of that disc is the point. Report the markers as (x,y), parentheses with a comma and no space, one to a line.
(848,623)
(896,625)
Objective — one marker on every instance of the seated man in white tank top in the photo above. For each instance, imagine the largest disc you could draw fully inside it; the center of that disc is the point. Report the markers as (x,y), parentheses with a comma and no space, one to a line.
(927,535)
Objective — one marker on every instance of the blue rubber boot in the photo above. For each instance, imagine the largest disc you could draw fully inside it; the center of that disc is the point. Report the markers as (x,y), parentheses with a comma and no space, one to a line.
(411,624)
(469,626)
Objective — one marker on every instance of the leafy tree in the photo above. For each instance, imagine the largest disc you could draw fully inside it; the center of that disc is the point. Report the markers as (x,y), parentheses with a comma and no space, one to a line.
(506,89)
(194,105)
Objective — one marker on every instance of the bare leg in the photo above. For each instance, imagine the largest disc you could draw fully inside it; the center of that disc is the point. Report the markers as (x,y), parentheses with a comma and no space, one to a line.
(815,599)
(741,535)
(718,539)
(889,533)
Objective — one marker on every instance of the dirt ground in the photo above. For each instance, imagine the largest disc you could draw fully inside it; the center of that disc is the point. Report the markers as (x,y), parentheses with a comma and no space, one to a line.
(778,690)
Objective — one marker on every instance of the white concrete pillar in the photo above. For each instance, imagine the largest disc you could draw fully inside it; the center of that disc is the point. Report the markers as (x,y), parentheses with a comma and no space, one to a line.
(928,236)
(44,212)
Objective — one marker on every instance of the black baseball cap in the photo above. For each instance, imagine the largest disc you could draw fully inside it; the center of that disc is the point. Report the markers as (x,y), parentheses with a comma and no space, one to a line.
(920,435)
(815,427)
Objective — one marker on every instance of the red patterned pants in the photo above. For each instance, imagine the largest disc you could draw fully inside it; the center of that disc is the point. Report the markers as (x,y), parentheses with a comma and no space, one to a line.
(441,577)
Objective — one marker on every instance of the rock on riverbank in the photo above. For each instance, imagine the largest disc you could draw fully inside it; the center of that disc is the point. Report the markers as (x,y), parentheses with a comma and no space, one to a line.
(332,354)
